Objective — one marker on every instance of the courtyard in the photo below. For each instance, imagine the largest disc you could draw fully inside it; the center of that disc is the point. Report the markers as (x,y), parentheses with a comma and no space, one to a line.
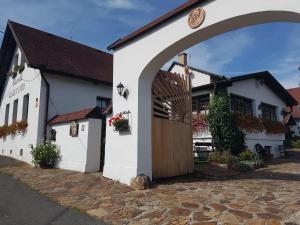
(211,196)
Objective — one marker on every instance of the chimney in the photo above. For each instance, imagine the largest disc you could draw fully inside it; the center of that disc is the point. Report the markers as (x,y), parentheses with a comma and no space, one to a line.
(182,59)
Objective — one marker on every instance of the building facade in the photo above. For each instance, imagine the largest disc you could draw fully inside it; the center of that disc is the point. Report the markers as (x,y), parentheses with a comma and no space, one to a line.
(43,76)
(257,95)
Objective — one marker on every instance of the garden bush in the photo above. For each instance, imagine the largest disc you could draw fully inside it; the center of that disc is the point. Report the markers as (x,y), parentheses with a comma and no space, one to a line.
(222,157)
(296,143)
(45,155)
(225,133)
(248,162)
(246,155)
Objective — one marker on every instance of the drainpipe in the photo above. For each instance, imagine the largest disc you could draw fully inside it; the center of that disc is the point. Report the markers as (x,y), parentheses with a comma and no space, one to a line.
(47,105)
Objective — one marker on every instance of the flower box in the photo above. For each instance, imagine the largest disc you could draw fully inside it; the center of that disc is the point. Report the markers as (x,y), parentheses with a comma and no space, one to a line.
(119,123)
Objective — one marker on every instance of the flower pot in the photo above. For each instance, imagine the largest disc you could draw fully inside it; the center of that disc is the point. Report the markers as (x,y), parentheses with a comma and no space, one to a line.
(121,126)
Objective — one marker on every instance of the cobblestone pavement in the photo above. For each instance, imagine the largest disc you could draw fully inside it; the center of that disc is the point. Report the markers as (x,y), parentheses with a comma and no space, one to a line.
(268,196)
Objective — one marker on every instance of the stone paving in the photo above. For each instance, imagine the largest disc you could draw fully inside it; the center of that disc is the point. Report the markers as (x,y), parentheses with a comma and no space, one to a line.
(268,196)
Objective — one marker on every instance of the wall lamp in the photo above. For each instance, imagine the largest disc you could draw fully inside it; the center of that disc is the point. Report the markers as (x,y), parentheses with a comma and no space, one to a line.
(121,91)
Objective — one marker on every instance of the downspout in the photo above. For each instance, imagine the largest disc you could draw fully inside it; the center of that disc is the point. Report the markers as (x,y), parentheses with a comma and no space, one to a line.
(47,105)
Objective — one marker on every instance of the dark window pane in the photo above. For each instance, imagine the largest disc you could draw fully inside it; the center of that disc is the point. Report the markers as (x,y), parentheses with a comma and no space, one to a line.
(15,111)
(25,107)
(241,105)
(6,115)
(268,111)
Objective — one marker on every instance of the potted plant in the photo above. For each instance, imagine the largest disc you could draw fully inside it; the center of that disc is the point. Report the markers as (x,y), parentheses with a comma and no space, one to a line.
(45,155)
(119,122)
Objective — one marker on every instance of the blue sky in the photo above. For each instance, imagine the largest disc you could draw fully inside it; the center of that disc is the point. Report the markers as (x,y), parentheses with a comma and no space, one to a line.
(98,23)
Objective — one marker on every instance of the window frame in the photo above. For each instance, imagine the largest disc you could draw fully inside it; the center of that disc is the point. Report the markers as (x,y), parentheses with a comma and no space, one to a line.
(196,102)
(269,107)
(25,110)
(6,117)
(15,111)
(102,99)
(237,108)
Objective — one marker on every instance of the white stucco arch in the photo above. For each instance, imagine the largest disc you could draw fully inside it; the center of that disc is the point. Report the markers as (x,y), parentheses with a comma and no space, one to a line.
(137,62)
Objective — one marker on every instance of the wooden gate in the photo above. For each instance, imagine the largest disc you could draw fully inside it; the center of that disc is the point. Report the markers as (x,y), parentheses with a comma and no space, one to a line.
(172,148)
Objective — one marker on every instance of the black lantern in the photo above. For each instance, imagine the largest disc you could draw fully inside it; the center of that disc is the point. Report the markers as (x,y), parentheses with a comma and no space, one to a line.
(120,88)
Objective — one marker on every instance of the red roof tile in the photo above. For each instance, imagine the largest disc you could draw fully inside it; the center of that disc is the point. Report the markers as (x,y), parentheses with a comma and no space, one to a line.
(295,92)
(79,115)
(163,19)
(56,54)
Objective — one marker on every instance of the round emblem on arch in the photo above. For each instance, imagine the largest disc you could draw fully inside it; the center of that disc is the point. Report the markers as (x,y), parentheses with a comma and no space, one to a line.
(196,18)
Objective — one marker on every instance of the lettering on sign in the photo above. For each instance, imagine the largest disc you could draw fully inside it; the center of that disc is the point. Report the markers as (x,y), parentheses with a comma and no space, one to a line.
(17,90)
(17,80)
(196,18)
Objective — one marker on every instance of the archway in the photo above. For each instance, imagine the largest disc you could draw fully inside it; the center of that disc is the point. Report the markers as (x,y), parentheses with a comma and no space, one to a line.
(139,56)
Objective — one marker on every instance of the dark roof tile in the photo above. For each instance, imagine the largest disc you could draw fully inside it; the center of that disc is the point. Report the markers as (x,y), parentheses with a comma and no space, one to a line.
(56,54)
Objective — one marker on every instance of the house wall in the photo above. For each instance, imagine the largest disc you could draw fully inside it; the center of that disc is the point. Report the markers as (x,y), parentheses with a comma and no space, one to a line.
(198,79)
(80,153)
(29,82)
(66,95)
(259,93)
(70,95)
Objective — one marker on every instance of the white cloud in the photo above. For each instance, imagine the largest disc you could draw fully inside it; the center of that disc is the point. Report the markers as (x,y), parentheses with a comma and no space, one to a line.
(286,66)
(124,4)
(215,54)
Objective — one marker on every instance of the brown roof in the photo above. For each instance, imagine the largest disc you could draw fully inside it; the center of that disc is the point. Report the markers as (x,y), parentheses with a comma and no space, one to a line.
(163,19)
(79,115)
(56,54)
(295,92)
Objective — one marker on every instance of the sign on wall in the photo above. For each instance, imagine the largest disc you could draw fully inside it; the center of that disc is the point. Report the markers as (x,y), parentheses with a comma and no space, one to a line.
(74,127)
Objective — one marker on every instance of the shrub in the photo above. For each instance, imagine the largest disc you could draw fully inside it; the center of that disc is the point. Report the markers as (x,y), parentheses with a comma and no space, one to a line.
(296,143)
(45,155)
(248,161)
(222,157)
(225,133)
(246,155)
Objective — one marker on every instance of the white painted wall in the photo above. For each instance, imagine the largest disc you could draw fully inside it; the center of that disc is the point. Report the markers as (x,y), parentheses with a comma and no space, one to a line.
(198,79)
(80,153)
(30,83)
(71,95)
(137,63)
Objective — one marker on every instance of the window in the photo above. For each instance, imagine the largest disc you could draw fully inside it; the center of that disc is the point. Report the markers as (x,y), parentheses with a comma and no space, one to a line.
(241,105)
(6,115)
(268,111)
(200,103)
(25,107)
(16,61)
(102,102)
(15,111)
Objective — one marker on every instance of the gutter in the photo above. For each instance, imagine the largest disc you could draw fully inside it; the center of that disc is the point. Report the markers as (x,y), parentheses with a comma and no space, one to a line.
(47,105)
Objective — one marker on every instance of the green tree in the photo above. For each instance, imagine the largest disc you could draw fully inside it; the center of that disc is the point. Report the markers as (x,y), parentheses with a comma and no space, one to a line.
(225,133)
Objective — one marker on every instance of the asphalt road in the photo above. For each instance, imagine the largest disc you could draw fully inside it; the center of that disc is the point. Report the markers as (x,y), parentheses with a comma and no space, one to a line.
(19,205)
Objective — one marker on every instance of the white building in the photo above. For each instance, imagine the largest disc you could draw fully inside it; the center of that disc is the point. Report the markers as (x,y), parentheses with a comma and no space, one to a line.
(57,76)
(258,94)
(294,119)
